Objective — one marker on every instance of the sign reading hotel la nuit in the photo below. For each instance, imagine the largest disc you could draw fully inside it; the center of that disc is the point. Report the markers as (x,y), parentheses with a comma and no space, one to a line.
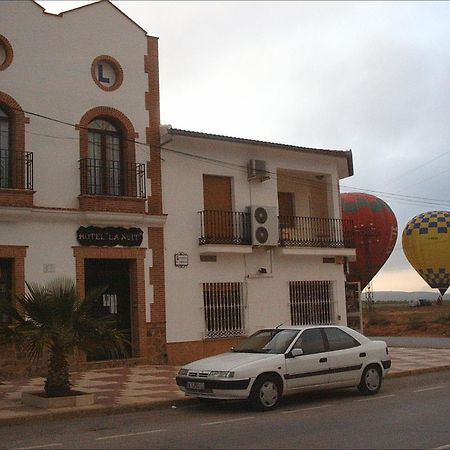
(110,236)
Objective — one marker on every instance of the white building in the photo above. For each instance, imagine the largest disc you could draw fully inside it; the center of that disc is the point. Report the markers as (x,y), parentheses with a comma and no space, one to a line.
(80,186)
(253,238)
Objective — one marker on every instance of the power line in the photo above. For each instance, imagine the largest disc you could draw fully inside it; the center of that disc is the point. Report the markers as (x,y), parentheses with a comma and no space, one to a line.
(406,199)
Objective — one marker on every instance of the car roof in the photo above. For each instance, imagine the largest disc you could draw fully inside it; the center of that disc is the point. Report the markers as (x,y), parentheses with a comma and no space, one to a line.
(304,327)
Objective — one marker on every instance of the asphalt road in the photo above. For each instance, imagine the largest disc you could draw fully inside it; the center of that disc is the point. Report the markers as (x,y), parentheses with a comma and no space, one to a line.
(409,412)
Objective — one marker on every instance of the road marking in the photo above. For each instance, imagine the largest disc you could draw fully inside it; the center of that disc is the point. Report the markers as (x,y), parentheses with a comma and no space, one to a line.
(40,446)
(429,389)
(375,398)
(304,409)
(443,447)
(117,436)
(226,421)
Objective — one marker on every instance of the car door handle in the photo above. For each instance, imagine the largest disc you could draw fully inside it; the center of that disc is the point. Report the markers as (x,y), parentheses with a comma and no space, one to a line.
(322,360)
(362,355)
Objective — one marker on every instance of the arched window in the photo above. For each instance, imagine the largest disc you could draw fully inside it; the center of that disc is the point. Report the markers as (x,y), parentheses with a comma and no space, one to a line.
(105,172)
(5,145)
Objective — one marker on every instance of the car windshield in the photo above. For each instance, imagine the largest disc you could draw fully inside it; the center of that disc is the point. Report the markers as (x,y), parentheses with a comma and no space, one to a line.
(267,341)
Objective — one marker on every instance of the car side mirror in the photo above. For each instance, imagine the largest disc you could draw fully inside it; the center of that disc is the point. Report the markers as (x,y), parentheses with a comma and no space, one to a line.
(296,352)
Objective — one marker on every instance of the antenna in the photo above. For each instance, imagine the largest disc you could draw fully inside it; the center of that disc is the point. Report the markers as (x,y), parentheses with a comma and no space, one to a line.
(282,323)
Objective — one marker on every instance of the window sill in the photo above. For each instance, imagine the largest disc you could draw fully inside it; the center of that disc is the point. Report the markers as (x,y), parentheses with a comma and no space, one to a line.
(22,198)
(112,203)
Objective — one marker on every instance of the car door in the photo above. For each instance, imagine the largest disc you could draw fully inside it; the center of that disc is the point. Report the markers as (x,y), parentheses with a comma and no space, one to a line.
(345,357)
(311,368)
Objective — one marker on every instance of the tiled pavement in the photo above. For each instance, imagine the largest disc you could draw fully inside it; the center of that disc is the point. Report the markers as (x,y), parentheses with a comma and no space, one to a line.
(132,388)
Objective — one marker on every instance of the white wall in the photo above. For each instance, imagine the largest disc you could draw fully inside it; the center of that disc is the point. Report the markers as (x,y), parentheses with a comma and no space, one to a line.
(45,46)
(51,75)
(267,298)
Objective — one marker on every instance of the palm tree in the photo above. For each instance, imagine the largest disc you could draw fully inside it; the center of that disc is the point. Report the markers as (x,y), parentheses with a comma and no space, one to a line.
(55,319)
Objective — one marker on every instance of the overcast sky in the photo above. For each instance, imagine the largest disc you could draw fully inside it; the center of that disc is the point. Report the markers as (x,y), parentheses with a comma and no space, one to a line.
(373,77)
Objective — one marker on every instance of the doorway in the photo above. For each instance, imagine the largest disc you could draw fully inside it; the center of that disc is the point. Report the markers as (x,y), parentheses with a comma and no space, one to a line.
(217,200)
(114,274)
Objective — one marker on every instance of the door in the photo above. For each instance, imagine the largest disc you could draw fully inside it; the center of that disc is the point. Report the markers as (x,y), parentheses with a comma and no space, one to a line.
(5,285)
(217,200)
(345,356)
(286,214)
(114,274)
(312,367)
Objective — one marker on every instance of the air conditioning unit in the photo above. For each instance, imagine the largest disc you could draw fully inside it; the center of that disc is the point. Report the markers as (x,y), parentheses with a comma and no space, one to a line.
(256,170)
(264,222)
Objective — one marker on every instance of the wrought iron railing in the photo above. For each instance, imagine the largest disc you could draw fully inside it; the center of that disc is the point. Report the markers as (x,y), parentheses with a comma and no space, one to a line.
(16,170)
(234,228)
(115,178)
(315,232)
(225,227)
(223,305)
(311,302)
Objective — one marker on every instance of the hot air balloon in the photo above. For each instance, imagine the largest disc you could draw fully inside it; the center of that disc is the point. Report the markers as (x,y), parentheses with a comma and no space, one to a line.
(375,231)
(426,244)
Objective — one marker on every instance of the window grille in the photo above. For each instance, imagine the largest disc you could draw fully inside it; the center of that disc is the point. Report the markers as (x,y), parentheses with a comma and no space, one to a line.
(311,302)
(224,309)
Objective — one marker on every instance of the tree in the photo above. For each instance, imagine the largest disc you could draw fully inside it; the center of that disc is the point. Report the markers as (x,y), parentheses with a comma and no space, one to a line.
(53,318)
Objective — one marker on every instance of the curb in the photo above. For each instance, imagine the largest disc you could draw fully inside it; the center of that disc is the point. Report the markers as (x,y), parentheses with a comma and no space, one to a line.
(406,373)
(96,410)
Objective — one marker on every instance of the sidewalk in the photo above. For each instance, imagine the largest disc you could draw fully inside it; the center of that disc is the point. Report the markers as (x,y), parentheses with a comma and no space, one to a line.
(128,389)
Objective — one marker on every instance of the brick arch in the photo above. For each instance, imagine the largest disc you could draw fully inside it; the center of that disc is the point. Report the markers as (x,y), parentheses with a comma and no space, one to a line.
(18,121)
(116,117)
(9,52)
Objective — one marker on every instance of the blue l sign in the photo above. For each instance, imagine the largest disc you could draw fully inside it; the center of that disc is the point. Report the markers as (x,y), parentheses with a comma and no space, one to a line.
(101,77)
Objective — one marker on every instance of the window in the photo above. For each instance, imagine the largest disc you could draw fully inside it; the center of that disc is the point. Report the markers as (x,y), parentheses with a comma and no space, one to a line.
(5,284)
(339,340)
(267,341)
(224,310)
(311,302)
(5,126)
(311,341)
(104,159)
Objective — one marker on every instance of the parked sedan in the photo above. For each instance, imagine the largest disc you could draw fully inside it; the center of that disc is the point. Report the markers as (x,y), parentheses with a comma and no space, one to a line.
(278,361)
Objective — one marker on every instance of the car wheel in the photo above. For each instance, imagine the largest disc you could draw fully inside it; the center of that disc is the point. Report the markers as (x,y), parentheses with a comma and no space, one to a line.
(265,393)
(370,381)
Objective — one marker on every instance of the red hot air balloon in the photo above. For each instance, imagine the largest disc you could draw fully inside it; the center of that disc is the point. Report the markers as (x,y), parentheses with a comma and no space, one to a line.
(375,228)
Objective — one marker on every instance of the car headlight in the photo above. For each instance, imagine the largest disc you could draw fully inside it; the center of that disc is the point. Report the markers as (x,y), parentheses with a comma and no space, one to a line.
(183,372)
(221,374)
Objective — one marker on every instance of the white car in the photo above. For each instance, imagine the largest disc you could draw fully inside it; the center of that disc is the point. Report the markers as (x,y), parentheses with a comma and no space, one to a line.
(278,361)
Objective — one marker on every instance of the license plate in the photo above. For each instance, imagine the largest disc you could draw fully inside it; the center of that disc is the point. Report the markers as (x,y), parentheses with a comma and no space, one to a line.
(195,386)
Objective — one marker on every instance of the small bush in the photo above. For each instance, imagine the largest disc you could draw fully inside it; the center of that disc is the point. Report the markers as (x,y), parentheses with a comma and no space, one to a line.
(416,322)
(375,319)
(442,320)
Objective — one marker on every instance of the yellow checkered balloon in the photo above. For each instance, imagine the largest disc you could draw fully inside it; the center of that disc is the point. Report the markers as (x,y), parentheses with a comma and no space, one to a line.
(426,244)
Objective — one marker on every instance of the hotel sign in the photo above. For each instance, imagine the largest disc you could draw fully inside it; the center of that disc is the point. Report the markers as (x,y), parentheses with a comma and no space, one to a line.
(110,236)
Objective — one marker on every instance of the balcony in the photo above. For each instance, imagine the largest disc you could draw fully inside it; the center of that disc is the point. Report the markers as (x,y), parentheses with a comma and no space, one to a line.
(225,228)
(315,232)
(112,186)
(234,228)
(16,179)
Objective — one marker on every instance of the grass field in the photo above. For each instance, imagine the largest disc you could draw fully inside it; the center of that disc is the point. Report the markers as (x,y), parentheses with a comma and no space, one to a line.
(399,319)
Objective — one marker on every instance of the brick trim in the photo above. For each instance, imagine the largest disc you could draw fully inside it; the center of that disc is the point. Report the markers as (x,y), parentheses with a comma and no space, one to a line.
(119,119)
(14,110)
(152,104)
(15,197)
(123,123)
(157,328)
(137,286)
(180,353)
(9,52)
(117,69)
